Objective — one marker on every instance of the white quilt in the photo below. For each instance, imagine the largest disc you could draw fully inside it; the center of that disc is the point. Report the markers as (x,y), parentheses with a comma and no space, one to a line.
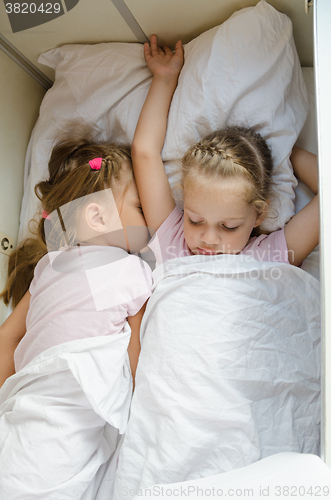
(279,476)
(61,420)
(229,371)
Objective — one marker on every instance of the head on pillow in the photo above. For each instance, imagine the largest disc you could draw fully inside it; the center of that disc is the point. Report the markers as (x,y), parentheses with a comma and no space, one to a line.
(226,180)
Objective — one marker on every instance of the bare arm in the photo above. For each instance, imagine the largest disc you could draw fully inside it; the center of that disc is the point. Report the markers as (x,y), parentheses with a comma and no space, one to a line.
(134,344)
(302,231)
(11,333)
(153,186)
(305,167)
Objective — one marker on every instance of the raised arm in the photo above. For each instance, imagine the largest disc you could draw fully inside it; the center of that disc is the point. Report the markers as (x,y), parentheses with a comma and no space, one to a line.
(305,167)
(11,333)
(153,186)
(302,231)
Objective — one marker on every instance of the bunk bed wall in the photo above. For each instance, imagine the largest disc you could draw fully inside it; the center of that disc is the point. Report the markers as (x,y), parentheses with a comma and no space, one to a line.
(20,98)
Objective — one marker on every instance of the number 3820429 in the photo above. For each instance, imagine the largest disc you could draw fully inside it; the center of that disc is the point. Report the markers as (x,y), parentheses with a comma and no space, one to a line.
(32,8)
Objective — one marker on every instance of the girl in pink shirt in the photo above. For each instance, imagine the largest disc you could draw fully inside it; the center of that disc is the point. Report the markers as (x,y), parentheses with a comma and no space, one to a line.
(77,327)
(76,279)
(226,181)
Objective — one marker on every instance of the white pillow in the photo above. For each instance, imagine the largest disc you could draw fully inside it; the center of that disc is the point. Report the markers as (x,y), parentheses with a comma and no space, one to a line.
(245,72)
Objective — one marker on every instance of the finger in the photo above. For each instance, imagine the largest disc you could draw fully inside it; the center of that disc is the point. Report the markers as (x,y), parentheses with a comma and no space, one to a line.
(154,47)
(147,51)
(179,49)
(167,50)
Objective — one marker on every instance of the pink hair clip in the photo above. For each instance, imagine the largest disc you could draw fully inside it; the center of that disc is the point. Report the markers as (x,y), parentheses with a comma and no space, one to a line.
(45,214)
(95,164)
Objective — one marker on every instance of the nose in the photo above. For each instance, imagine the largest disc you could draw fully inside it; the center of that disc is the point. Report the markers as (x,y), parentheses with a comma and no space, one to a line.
(210,236)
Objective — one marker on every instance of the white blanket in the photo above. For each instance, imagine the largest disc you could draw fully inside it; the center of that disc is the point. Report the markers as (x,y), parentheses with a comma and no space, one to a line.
(61,420)
(229,371)
(280,476)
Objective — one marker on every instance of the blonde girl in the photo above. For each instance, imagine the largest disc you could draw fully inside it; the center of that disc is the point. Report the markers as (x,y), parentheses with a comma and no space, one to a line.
(226,181)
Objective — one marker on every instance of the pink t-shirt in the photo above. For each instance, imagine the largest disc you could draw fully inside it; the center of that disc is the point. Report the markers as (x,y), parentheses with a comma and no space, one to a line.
(85,292)
(169,242)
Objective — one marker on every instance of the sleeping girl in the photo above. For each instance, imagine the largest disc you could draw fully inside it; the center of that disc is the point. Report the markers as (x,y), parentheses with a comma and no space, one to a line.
(226,181)
(229,371)
(61,414)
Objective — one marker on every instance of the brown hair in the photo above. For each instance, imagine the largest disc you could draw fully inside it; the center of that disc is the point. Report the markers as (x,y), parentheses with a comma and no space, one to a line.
(70,178)
(233,151)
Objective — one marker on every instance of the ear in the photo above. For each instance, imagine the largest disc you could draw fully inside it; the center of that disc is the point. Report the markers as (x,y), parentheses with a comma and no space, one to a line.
(93,214)
(262,214)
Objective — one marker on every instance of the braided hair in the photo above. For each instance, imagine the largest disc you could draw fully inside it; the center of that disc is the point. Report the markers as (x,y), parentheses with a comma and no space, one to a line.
(233,151)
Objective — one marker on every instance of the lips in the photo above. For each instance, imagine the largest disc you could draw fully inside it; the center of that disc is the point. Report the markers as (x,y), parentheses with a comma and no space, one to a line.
(206,251)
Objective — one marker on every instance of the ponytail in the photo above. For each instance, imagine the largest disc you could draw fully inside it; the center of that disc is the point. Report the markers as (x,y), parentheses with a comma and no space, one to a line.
(21,264)
(70,178)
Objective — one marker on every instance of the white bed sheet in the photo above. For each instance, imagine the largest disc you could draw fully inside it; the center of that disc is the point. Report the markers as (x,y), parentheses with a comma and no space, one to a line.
(229,371)
(61,421)
(285,475)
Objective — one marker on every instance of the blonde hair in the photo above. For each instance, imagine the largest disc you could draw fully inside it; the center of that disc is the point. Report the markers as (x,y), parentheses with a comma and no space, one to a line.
(70,178)
(234,151)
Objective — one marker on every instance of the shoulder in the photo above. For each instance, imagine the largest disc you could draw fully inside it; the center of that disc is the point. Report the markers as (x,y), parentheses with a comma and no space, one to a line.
(116,263)
(168,241)
(120,280)
(172,224)
(42,265)
(135,285)
(171,229)
(128,270)
(268,247)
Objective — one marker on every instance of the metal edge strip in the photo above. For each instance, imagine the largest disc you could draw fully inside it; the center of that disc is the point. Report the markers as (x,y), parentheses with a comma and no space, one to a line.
(325,452)
(24,63)
(130,20)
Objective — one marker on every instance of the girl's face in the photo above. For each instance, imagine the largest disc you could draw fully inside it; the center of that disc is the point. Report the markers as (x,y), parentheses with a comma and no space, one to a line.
(217,217)
(133,235)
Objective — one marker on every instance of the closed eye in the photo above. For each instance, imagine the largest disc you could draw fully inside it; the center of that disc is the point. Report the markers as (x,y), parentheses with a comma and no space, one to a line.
(193,222)
(230,228)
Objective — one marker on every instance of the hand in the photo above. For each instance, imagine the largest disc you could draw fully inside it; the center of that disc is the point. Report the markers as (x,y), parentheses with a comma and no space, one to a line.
(164,63)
